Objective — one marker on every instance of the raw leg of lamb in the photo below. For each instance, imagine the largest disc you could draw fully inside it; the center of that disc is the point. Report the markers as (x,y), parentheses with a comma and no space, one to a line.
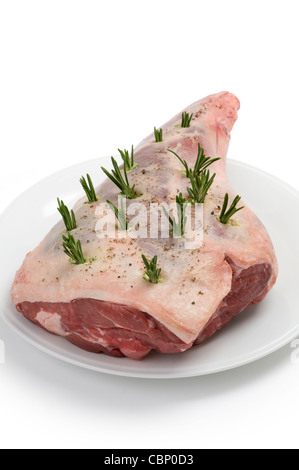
(106,305)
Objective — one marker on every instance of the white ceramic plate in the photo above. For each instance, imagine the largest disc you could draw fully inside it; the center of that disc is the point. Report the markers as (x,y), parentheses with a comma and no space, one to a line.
(255,333)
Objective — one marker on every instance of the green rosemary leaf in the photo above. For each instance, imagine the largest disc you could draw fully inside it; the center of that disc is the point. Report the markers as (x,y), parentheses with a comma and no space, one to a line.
(179,225)
(201,164)
(112,178)
(152,273)
(68,217)
(224,206)
(122,182)
(128,160)
(186,119)
(158,134)
(183,162)
(200,185)
(73,249)
(225,215)
(89,189)
(120,215)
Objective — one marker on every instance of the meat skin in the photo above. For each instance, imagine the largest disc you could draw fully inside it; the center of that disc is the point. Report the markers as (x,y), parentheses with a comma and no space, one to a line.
(115,330)
(247,284)
(107,306)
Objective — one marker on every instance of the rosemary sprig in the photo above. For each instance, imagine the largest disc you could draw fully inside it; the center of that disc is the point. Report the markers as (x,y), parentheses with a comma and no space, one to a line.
(89,189)
(158,134)
(225,215)
(128,160)
(152,273)
(121,181)
(73,249)
(179,225)
(68,217)
(120,215)
(186,119)
(200,185)
(201,164)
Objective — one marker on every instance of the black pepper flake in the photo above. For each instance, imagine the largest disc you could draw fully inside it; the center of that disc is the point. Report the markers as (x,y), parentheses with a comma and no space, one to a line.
(193,303)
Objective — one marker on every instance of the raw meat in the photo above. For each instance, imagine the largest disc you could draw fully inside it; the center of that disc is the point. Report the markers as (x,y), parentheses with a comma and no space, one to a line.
(106,305)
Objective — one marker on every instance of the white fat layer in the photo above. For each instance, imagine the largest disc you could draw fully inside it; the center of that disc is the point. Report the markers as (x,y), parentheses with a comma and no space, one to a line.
(51,322)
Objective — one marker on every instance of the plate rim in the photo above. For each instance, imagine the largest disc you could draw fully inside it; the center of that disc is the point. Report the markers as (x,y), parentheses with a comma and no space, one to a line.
(276,346)
(244,360)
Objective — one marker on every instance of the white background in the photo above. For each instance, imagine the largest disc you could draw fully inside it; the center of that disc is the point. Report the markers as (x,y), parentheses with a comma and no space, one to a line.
(78,79)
